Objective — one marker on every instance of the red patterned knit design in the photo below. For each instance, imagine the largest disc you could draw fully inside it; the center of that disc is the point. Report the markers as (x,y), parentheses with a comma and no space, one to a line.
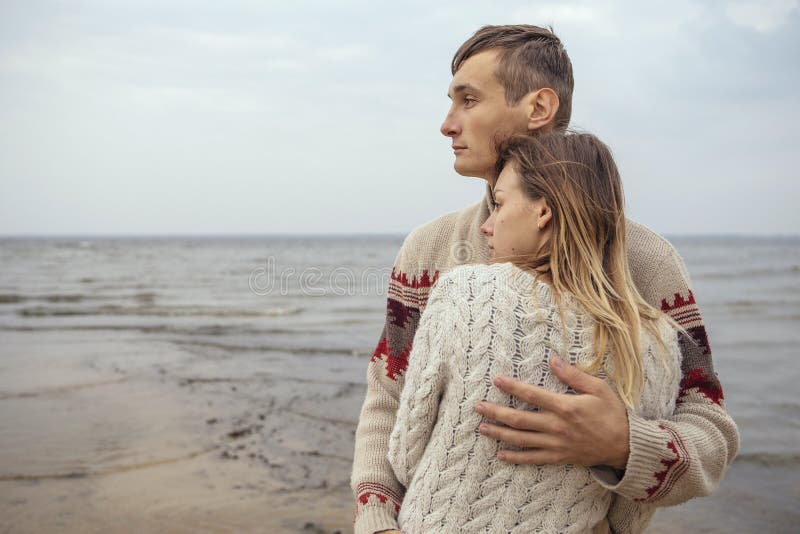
(424,281)
(383,493)
(673,467)
(699,379)
(696,365)
(683,310)
(404,305)
(396,363)
(413,294)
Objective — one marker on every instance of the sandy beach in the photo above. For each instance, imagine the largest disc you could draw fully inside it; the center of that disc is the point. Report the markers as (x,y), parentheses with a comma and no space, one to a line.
(122,412)
(179,443)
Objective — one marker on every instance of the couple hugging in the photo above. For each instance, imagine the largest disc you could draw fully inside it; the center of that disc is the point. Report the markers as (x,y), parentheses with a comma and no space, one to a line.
(559,379)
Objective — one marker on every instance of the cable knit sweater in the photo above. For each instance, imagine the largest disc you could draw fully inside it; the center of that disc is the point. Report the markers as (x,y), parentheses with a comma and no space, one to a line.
(671,460)
(482,321)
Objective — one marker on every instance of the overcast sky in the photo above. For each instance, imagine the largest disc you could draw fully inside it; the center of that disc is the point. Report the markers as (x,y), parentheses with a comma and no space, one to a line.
(209,117)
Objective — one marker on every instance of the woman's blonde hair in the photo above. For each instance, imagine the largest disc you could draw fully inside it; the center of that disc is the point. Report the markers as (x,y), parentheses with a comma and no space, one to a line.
(587,253)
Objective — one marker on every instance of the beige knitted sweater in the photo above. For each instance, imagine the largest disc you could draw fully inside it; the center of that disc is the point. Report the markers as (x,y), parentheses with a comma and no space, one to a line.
(671,460)
(482,321)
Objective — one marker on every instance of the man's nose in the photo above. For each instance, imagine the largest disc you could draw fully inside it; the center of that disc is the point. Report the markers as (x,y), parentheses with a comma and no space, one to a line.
(449,127)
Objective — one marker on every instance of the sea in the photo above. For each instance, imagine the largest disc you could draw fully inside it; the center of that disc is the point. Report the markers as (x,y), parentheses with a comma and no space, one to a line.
(185,384)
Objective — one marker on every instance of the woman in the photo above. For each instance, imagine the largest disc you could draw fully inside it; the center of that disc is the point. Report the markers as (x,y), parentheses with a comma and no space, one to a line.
(559,284)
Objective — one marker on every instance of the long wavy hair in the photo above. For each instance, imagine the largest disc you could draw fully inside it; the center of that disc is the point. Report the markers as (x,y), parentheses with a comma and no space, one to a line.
(586,254)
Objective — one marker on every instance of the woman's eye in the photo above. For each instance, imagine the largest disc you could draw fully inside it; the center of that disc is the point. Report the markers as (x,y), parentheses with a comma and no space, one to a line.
(469,102)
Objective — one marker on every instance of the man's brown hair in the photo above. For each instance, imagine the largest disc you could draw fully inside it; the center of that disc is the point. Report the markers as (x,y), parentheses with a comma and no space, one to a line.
(530,58)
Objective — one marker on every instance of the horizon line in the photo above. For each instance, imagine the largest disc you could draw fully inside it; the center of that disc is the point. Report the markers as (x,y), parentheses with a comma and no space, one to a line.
(318,234)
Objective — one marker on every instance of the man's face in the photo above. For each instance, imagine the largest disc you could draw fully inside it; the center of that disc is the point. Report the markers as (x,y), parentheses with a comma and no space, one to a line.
(478,114)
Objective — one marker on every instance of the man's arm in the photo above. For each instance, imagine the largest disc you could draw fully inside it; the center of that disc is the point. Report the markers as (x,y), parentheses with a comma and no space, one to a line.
(378,493)
(685,455)
(425,382)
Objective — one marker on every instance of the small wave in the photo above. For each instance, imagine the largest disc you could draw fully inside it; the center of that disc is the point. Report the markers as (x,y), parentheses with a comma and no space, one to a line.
(14,298)
(42,311)
(770,459)
(145,296)
(754,344)
(64,298)
(750,303)
(764,308)
(54,312)
(217,312)
(789,406)
(305,351)
(749,273)
(361,309)
(212,330)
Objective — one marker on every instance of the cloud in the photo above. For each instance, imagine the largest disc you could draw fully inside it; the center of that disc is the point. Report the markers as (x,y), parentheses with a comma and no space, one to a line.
(344,53)
(251,96)
(761,15)
(564,13)
(230,41)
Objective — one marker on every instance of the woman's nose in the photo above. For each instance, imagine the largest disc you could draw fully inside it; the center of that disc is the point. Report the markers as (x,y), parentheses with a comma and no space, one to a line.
(486,228)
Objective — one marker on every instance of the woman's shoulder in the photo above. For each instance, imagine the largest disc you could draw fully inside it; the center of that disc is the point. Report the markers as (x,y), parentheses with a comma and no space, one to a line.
(477,275)
(494,284)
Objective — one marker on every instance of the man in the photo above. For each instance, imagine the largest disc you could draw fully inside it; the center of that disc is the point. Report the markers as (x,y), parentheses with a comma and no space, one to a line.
(515,79)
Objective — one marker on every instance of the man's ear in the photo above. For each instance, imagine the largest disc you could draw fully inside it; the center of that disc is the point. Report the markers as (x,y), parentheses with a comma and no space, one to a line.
(541,107)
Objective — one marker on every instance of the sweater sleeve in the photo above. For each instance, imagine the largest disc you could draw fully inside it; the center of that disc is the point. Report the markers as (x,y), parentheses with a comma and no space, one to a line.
(425,383)
(377,491)
(626,515)
(685,455)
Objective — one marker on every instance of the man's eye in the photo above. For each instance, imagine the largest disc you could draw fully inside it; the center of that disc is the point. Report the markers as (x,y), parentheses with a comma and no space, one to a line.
(469,102)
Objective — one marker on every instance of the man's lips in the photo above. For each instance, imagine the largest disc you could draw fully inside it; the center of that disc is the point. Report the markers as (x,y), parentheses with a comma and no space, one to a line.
(458,148)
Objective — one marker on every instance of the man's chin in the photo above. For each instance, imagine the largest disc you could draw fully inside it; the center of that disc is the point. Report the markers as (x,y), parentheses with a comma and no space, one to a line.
(469,171)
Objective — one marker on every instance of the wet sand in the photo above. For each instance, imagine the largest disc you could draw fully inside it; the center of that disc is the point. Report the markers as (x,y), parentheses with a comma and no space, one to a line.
(198,439)
(177,441)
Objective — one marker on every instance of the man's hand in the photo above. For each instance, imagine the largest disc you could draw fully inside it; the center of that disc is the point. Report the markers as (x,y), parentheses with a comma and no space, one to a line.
(587,429)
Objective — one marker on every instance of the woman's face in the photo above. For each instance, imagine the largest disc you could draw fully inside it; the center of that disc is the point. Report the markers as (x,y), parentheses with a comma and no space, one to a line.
(518,226)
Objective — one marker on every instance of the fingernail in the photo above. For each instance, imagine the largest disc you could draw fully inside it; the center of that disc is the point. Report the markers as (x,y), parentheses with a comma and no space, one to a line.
(498,381)
(556,361)
(483,429)
(480,408)
(501,455)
